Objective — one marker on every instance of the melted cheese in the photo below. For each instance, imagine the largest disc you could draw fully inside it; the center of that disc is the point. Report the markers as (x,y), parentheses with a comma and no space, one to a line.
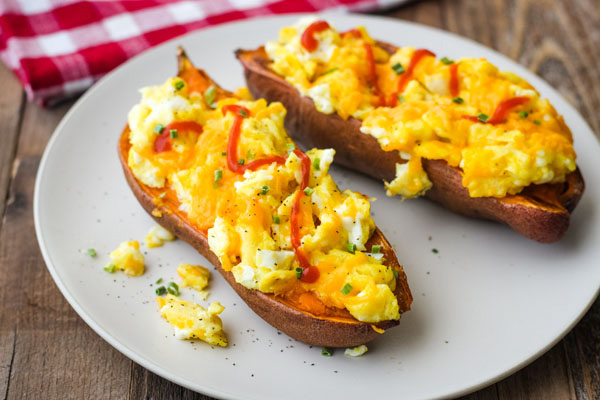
(532,146)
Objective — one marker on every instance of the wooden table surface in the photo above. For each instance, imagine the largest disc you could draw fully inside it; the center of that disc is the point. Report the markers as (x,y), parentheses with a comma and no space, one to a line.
(48,352)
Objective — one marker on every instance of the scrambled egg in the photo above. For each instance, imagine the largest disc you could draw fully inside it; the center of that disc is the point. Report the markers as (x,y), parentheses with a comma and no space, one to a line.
(356,351)
(194,276)
(192,321)
(157,236)
(532,145)
(246,218)
(128,258)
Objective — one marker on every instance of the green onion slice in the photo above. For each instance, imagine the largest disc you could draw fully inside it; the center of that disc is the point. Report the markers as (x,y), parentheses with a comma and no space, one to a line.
(327,352)
(398,68)
(161,290)
(351,247)
(110,268)
(218,175)
(210,95)
(317,164)
(92,253)
(347,288)
(173,288)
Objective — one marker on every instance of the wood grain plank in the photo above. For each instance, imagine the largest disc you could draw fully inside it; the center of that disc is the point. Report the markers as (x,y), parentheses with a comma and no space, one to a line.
(11,106)
(582,347)
(146,385)
(54,354)
(545,378)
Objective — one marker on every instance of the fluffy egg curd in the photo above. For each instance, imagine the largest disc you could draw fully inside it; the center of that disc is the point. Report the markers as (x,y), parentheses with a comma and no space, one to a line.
(272,214)
(157,236)
(491,124)
(194,276)
(192,321)
(127,258)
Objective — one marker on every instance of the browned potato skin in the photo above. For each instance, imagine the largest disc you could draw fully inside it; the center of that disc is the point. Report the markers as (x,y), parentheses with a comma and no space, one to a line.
(300,325)
(540,212)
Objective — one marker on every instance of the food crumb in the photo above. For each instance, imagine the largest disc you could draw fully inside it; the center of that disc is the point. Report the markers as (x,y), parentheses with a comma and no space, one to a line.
(434,251)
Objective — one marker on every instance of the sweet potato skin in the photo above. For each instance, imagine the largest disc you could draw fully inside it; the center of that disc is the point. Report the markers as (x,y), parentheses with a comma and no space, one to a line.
(538,218)
(302,326)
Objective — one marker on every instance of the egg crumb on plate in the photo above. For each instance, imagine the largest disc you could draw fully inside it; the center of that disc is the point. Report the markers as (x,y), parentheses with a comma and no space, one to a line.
(196,277)
(356,351)
(157,236)
(128,258)
(192,321)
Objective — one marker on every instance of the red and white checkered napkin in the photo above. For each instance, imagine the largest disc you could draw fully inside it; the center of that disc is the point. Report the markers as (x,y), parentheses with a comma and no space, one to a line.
(58,48)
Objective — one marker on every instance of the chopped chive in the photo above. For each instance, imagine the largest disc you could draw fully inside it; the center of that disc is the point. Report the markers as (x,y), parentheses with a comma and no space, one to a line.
(299,272)
(327,352)
(250,155)
(434,251)
(179,85)
(158,128)
(395,273)
(264,190)
(210,95)
(276,219)
(241,161)
(243,113)
(173,288)
(216,185)
(161,290)
(317,164)
(523,114)
(347,288)
(291,147)
(308,191)
(447,61)
(351,247)
(398,68)
(110,268)
(483,117)
(400,99)
(173,133)
(376,249)
(218,175)
(330,71)
(458,100)
(159,280)
(92,253)
(537,122)
(223,153)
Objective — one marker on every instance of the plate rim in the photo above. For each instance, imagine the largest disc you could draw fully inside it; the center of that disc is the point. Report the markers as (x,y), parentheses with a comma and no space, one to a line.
(218,393)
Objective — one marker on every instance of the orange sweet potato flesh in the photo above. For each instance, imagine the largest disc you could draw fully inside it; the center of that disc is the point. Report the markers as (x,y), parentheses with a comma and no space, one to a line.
(540,212)
(303,318)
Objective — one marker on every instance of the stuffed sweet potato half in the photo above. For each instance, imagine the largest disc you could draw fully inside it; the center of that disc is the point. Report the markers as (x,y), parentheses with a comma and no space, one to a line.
(218,170)
(479,141)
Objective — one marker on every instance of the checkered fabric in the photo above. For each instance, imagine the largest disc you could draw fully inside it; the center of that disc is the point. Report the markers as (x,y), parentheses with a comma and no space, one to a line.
(59,48)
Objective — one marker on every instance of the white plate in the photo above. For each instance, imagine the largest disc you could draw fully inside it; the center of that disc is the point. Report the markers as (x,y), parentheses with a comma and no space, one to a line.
(487,304)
